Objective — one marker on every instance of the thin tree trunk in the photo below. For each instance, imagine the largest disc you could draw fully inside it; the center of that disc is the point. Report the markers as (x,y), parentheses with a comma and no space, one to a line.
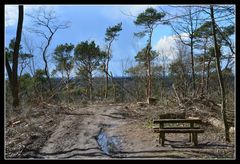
(15,87)
(149,74)
(9,72)
(33,65)
(208,74)
(203,70)
(106,82)
(46,63)
(90,85)
(220,78)
(191,45)
(68,79)
(149,84)
(192,65)
(107,67)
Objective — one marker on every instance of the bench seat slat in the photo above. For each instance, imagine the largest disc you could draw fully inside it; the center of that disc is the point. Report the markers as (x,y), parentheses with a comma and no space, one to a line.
(180,130)
(177,128)
(156,129)
(177,121)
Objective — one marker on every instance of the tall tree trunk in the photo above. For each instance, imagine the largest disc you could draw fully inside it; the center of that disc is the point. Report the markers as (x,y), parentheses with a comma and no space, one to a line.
(15,83)
(192,64)
(203,70)
(208,74)
(149,74)
(191,46)
(149,78)
(107,67)
(106,81)
(68,80)
(220,78)
(33,65)
(90,87)
(9,72)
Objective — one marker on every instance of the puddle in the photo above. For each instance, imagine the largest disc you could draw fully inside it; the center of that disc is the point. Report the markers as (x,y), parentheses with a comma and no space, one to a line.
(109,145)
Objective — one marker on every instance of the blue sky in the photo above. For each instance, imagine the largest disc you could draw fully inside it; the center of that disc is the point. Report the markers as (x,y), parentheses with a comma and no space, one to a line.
(89,22)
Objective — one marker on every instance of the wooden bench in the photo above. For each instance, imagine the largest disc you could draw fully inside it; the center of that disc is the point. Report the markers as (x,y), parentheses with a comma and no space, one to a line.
(192,129)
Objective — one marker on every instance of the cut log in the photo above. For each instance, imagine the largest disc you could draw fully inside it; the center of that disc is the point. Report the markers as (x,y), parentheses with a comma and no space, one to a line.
(232,130)
(142,104)
(216,122)
(16,123)
(152,101)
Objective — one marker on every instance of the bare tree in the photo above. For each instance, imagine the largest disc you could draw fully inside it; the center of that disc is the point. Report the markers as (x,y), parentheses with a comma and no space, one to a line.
(29,45)
(45,24)
(219,72)
(187,25)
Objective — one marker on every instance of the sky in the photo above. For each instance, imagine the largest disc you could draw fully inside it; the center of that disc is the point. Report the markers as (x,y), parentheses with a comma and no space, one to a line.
(89,22)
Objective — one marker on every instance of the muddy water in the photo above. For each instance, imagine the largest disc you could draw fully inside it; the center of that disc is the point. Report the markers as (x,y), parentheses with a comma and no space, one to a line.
(109,145)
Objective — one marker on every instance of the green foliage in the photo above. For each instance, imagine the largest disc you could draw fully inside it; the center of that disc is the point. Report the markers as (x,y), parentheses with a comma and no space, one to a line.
(136,70)
(204,31)
(142,55)
(10,49)
(88,58)
(40,76)
(63,58)
(227,73)
(177,68)
(26,81)
(112,32)
(149,18)
(88,54)
(140,34)
(229,30)
(139,71)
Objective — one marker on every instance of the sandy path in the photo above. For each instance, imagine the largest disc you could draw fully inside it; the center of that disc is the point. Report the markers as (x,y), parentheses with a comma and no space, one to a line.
(76,138)
(76,135)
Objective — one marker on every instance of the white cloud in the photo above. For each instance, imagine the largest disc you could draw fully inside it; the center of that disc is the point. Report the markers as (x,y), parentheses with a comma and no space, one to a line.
(11,12)
(166,46)
(11,15)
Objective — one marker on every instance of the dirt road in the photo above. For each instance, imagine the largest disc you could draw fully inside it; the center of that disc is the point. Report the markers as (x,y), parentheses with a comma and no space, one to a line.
(113,132)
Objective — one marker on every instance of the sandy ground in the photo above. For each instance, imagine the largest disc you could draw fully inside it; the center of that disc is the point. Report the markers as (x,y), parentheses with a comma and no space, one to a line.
(75,134)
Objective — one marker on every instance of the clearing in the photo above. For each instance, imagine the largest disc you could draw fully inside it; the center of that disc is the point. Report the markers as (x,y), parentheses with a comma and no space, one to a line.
(105,131)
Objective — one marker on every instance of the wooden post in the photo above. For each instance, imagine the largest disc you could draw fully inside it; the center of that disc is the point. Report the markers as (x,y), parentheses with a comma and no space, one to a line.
(190,134)
(195,139)
(163,138)
(160,134)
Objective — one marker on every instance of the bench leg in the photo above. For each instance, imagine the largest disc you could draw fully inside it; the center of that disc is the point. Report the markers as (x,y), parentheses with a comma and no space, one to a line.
(195,140)
(160,137)
(190,137)
(163,138)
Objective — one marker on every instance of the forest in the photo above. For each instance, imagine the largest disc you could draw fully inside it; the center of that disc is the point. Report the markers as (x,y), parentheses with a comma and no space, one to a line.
(100,82)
